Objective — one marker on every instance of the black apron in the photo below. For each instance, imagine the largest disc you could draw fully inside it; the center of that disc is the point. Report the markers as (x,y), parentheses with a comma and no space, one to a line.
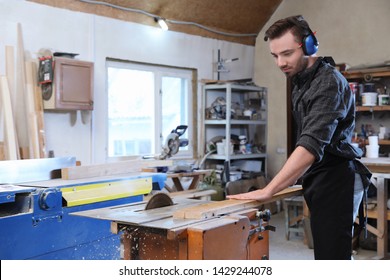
(328,190)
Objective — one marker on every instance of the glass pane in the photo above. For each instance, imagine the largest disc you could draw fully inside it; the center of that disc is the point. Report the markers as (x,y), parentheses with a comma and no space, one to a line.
(174,105)
(130,112)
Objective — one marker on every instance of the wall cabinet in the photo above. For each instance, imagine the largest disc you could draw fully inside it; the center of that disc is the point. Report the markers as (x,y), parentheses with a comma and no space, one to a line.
(232,110)
(72,87)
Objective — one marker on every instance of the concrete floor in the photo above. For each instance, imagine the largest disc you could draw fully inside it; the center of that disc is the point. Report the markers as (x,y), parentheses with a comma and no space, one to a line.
(295,249)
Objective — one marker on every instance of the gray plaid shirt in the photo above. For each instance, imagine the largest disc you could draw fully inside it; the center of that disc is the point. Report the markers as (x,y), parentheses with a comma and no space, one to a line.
(324,111)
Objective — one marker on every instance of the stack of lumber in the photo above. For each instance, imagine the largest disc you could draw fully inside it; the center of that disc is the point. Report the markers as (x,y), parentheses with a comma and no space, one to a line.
(21,106)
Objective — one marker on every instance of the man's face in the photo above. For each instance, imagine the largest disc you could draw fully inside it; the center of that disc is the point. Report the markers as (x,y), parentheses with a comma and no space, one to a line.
(288,54)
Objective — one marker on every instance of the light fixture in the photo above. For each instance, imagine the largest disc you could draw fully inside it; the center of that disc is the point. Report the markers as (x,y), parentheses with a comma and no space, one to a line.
(162,24)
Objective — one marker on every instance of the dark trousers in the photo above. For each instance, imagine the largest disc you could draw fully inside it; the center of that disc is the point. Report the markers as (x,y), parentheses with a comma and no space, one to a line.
(328,191)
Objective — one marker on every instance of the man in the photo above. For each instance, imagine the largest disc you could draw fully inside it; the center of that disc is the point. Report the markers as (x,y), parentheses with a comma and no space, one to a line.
(324,114)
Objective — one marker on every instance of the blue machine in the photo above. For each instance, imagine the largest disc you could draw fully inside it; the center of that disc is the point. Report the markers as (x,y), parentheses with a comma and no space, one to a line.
(36,220)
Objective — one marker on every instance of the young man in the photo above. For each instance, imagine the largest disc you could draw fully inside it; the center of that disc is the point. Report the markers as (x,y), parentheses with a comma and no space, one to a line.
(324,114)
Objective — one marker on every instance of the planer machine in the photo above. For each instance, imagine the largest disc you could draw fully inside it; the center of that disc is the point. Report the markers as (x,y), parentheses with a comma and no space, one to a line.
(36,207)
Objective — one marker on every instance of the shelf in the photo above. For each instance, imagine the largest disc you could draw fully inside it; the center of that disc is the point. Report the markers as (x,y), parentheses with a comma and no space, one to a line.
(380,142)
(235,87)
(362,73)
(235,122)
(372,108)
(238,156)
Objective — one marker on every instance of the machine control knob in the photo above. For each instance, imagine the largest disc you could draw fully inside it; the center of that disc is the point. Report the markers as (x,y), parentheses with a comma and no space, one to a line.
(264,215)
(48,199)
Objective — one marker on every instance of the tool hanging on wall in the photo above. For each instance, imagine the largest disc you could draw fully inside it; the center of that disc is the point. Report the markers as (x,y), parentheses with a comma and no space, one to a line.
(45,76)
(221,68)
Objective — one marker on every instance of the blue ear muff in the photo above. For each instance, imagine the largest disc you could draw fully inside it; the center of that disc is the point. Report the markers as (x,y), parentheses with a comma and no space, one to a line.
(310,44)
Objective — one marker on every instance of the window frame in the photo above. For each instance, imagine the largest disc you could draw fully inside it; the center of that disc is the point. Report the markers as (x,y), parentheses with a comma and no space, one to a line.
(161,71)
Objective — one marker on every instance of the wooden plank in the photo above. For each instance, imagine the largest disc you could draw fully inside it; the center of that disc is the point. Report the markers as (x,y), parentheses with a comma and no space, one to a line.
(11,149)
(216,208)
(2,155)
(10,74)
(30,111)
(20,92)
(114,168)
(10,70)
(38,101)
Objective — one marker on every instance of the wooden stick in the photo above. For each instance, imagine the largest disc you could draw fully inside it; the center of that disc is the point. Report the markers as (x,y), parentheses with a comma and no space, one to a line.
(31,113)
(10,70)
(20,90)
(11,150)
(38,101)
(10,74)
(216,208)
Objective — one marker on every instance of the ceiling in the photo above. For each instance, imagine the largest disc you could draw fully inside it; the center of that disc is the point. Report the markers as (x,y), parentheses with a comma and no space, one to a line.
(223,16)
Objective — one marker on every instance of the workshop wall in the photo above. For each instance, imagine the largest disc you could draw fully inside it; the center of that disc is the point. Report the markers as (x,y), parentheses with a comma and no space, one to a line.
(352,31)
(84,134)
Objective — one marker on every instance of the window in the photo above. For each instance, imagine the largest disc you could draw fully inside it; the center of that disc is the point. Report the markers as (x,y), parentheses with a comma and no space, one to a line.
(145,103)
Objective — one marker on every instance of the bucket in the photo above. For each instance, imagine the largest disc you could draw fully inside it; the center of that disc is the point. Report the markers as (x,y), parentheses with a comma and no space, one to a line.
(369,98)
(372,151)
(373,140)
(221,148)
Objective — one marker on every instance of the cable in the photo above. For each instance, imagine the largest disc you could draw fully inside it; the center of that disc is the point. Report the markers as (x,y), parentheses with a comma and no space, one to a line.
(210,29)
(169,20)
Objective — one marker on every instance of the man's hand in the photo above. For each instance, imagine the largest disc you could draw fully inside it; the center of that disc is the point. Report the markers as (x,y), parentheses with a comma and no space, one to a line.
(296,165)
(259,195)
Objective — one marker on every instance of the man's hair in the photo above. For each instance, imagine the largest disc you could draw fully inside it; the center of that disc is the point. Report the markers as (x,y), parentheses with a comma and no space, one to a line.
(296,24)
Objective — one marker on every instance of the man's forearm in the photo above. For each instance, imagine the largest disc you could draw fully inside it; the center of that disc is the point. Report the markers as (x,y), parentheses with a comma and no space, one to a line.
(296,165)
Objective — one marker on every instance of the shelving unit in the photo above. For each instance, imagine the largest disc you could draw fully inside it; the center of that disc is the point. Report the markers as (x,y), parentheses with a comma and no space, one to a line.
(238,98)
(381,78)
(378,166)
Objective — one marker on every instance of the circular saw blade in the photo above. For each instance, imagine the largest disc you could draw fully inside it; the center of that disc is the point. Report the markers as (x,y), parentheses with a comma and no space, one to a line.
(159,200)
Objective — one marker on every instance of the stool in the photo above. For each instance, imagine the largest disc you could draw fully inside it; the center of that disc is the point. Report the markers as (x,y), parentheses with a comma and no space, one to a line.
(293,213)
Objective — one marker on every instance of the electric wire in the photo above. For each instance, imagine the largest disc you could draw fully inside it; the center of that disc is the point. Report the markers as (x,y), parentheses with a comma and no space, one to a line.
(139,11)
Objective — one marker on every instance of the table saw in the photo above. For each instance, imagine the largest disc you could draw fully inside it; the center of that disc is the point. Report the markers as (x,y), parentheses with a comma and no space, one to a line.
(186,226)
(36,206)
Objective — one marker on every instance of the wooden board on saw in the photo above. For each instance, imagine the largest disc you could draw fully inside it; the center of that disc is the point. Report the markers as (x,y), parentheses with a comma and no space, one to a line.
(216,208)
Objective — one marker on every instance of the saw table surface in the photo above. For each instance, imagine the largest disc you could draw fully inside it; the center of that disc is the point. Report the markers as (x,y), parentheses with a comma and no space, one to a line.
(186,210)
(192,228)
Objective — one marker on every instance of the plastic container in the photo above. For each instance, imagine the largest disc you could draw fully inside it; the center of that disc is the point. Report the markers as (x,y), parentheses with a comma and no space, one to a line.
(372,151)
(369,98)
(221,148)
(373,140)
(383,99)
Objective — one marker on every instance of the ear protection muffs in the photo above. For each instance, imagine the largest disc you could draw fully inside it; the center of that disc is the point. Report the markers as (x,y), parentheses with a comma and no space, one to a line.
(309,40)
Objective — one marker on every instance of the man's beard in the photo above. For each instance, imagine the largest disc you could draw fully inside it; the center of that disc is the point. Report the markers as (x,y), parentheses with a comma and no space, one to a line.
(299,68)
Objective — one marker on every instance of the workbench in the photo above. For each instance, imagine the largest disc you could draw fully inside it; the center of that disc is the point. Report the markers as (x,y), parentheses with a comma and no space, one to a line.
(192,227)
(196,176)
(380,168)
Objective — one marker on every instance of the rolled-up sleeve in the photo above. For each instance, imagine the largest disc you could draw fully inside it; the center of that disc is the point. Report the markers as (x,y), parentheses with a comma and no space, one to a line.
(322,107)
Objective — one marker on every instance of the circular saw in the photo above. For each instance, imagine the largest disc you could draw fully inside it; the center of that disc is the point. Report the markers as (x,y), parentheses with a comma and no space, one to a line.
(159,200)
(173,142)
